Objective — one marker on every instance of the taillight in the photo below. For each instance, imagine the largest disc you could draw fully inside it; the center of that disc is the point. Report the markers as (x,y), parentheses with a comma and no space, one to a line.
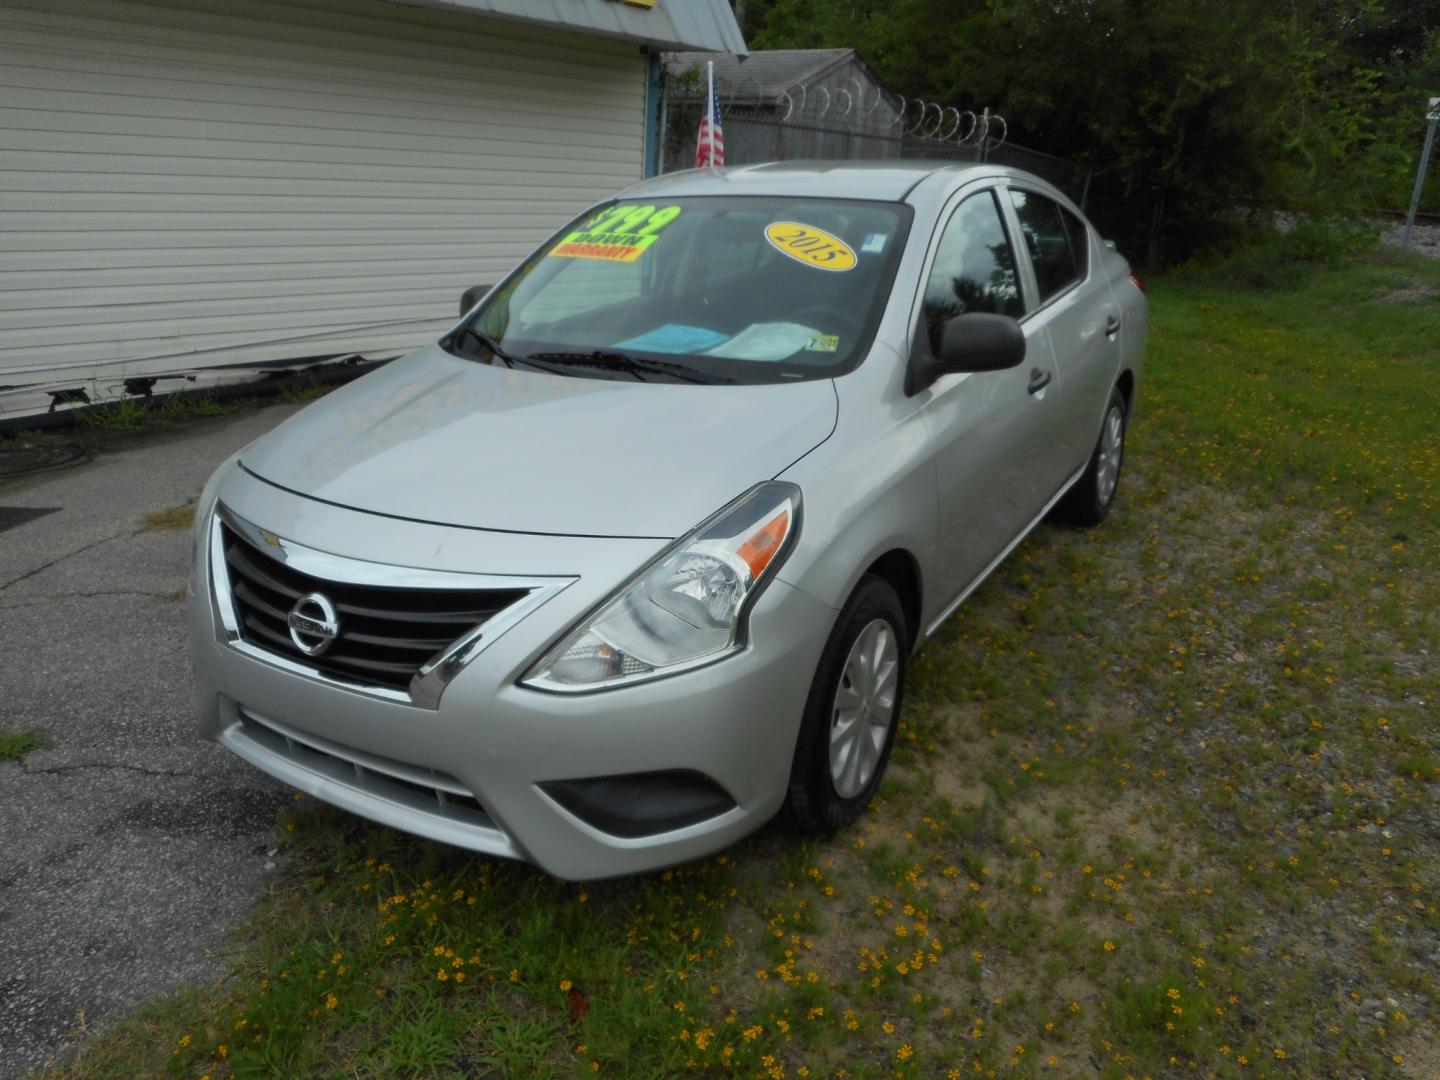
(1138,282)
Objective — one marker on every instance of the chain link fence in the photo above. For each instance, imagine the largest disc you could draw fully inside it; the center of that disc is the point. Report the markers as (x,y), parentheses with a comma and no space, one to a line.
(850,130)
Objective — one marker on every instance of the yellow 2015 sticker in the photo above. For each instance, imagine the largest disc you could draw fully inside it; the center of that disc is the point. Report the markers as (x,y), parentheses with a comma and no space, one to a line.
(811,246)
(618,234)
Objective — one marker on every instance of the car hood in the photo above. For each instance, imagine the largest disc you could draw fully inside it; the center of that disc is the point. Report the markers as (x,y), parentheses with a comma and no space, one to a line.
(432,437)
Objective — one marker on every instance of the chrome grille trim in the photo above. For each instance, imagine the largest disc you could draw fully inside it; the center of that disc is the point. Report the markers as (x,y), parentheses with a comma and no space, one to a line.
(417,800)
(433,674)
(385,634)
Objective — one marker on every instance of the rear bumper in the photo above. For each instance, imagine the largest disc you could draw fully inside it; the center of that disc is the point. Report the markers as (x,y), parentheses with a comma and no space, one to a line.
(489,738)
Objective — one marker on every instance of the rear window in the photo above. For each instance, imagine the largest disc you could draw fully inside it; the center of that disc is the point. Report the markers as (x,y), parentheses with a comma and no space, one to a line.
(1055,239)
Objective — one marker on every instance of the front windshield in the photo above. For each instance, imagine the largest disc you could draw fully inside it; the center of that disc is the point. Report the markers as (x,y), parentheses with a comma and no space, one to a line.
(733,289)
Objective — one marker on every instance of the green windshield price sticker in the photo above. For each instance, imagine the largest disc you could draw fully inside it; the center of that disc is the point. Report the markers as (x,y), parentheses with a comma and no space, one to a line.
(619,234)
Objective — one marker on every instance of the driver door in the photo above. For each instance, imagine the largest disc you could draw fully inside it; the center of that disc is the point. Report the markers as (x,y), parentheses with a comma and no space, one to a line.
(992,432)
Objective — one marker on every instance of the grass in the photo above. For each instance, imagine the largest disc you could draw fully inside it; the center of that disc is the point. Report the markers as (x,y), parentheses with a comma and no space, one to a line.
(1163,802)
(136,414)
(15,745)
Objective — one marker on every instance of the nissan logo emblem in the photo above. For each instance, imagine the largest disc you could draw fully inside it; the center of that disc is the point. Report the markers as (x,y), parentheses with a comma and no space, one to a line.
(314,626)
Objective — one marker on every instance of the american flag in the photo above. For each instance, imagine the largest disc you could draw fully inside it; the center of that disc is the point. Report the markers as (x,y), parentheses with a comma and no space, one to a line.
(710,150)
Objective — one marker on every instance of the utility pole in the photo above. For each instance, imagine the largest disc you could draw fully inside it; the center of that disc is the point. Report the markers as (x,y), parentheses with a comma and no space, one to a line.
(740,14)
(1433,117)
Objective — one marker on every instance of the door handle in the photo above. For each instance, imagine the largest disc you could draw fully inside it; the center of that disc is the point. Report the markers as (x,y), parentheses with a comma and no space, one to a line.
(1038,380)
(1112,326)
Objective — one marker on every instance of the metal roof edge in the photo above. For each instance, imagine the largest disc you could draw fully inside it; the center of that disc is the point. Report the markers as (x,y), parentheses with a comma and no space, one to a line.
(823,63)
(679,25)
(846,55)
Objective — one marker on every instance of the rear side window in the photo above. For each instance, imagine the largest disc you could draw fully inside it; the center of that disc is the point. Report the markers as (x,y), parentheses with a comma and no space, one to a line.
(1055,239)
(1079,237)
(974,268)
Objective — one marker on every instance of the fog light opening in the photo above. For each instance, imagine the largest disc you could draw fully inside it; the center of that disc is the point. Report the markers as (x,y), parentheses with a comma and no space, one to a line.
(642,804)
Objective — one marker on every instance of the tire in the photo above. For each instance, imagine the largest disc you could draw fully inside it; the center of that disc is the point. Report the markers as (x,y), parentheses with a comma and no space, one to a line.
(1089,501)
(821,799)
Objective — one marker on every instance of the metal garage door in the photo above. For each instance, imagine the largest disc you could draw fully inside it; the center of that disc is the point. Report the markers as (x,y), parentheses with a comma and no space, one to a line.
(188,174)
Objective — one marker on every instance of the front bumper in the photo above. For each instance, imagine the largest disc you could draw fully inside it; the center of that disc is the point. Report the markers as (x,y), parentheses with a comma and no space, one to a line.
(469,770)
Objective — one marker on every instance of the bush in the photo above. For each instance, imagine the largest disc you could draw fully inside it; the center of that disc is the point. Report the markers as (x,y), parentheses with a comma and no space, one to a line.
(1281,255)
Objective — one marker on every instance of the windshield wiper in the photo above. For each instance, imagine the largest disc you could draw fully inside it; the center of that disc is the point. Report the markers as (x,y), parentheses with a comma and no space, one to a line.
(493,345)
(634,365)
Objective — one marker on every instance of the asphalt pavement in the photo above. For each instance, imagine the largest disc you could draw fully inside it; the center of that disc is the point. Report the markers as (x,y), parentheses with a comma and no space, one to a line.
(128,847)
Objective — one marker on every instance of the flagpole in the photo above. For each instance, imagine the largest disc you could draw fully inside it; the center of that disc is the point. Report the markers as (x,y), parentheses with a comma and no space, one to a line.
(710,108)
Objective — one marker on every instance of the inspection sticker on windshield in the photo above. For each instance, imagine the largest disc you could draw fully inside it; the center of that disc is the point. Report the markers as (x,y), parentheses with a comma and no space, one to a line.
(617,234)
(811,246)
(823,343)
(874,243)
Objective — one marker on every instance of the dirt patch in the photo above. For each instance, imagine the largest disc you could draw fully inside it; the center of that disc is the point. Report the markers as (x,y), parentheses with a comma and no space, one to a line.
(1413,292)
(176,517)
(1424,239)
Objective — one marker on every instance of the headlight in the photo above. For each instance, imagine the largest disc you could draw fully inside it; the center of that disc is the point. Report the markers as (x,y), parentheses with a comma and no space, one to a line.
(685,609)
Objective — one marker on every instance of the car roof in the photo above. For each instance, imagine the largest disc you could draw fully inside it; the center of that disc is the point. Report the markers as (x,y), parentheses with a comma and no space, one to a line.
(891,179)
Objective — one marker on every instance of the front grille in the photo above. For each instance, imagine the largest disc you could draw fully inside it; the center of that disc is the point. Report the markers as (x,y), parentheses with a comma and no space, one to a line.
(386,633)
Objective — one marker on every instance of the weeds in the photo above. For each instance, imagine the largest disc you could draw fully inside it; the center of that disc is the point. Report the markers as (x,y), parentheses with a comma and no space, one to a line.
(303,394)
(136,414)
(15,745)
(127,414)
(176,517)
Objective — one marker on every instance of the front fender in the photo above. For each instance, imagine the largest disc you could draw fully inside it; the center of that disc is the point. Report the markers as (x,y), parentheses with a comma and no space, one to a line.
(869,490)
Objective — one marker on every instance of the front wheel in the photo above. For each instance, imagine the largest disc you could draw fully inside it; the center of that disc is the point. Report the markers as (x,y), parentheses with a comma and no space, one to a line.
(849,722)
(1089,501)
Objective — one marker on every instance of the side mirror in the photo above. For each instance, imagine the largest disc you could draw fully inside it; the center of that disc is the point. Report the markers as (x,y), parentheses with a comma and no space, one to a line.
(472,296)
(979,342)
(973,342)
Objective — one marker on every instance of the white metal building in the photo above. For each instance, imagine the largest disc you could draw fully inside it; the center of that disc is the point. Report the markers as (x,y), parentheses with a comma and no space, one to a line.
(180,179)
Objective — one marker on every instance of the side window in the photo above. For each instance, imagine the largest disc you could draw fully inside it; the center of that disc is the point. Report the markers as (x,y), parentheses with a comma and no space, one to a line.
(1051,242)
(974,268)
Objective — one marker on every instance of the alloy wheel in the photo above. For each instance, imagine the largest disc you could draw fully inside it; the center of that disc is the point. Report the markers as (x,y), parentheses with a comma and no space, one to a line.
(1112,445)
(864,708)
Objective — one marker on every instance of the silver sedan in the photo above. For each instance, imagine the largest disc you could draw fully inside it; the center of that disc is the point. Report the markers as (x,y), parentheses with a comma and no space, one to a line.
(634,557)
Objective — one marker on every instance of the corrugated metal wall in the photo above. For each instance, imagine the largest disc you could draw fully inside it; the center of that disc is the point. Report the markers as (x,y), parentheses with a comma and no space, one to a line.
(188,173)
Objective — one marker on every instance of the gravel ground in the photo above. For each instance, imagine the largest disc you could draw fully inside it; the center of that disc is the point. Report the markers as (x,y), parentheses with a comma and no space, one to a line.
(129,846)
(1424,239)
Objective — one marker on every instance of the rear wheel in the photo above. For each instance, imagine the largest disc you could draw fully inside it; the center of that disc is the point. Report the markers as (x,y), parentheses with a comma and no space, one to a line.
(1089,501)
(849,723)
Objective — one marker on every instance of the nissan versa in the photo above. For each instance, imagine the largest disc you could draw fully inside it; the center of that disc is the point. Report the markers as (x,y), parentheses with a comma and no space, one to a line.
(633,557)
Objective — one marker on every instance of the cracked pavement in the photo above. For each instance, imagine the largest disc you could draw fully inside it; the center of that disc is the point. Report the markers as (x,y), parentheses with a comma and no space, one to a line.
(129,846)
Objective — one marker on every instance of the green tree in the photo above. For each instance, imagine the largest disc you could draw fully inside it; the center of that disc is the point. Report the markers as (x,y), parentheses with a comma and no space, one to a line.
(1192,113)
